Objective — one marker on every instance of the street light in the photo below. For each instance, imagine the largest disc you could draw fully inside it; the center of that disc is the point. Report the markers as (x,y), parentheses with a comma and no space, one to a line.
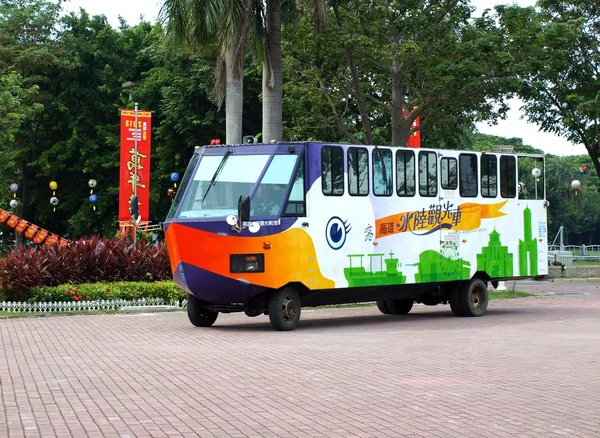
(129,85)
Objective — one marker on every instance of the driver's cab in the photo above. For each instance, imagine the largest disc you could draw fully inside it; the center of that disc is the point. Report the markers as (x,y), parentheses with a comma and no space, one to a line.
(269,177)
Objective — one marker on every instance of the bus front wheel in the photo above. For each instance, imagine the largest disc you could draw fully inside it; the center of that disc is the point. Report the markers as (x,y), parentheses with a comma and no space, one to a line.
(199,315)
(284,309)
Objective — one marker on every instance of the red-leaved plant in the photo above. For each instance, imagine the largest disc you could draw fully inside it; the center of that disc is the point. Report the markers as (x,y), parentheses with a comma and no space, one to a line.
(87,260)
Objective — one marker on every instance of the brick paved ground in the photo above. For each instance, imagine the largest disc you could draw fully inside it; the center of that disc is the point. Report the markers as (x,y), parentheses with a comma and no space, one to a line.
(529,368)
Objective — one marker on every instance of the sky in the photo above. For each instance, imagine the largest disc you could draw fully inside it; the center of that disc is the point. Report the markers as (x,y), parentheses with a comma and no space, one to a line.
(515,124)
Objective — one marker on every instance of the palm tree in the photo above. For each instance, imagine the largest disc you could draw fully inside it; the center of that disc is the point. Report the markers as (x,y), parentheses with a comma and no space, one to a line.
(192,23)
(234,23)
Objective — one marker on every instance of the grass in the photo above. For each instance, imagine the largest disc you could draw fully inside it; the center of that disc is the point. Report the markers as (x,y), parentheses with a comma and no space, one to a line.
(502,295)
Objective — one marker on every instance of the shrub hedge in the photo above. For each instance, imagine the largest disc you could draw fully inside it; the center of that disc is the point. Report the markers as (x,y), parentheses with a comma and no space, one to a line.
(87,260)
(126,290)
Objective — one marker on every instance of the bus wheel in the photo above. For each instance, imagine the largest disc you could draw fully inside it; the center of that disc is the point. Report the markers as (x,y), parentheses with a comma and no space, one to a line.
(383,307)
(470,298)
(284,309)
(199,315)
(399,307)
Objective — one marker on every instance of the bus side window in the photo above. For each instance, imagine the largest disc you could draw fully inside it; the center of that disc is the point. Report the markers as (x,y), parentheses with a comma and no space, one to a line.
(508,176)
(449,177)
(296,204)
(405,173)
(427,174)
(467,170)
(489,176)
(358,171)
(332,170)
(382,172)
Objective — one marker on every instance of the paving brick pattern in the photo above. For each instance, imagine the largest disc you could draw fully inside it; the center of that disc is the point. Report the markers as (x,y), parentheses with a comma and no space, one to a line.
(529,368)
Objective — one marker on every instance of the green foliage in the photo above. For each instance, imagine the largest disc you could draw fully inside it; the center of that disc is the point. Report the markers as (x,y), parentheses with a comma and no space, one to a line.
(83,261)
(123,290)
(432,60)
(558,57)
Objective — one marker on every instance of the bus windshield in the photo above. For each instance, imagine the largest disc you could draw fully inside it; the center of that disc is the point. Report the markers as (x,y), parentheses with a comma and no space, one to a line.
(220,180)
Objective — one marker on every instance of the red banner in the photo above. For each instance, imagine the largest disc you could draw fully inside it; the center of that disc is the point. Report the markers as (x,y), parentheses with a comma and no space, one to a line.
(128,177)
(414,141)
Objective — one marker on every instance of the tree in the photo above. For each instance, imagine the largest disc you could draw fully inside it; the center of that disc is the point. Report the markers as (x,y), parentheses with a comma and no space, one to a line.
(407,59)
(558,49)
(236,24)
(194,23)
(29,58)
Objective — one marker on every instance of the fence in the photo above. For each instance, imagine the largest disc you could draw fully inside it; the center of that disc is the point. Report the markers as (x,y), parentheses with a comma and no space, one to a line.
(66,306)
(577,252)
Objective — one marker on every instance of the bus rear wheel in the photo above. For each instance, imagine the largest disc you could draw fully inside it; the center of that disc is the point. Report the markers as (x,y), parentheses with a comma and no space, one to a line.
(399,307)
(383,307)
(199,315)
(284,309)
(470,298)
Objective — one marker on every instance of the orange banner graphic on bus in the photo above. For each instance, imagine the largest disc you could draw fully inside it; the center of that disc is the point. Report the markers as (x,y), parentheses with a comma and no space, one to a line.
(464,217)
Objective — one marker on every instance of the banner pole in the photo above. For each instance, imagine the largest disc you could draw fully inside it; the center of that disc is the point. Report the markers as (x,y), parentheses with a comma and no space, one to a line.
(135,148)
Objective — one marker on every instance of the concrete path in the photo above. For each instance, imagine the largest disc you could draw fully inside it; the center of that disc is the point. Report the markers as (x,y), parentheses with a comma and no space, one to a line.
(529,368)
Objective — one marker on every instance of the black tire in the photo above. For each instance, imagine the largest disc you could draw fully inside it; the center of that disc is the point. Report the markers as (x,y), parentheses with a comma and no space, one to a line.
(470,298)
(198,314)
(399,307)
(284,309)
(383,307)
(454,300)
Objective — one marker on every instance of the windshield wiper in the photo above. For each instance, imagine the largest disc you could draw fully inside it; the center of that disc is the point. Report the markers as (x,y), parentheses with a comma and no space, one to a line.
(216,175)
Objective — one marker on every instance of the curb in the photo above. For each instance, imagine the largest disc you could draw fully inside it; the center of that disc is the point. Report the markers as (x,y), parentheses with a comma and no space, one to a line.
(149,309)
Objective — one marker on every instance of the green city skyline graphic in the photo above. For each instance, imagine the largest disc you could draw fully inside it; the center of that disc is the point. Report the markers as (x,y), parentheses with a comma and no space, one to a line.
(447,265)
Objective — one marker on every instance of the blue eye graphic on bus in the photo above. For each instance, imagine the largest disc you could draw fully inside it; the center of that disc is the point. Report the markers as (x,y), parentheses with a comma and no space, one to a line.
(336,232)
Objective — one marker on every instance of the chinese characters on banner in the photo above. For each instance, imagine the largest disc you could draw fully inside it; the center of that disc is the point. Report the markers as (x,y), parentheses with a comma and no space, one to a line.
(128,179)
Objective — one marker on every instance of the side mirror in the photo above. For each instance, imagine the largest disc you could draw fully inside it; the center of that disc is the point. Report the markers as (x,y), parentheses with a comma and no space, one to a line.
(244,208)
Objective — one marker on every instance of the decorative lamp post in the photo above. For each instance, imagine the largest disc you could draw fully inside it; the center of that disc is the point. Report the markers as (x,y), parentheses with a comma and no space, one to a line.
(14,203)
(14,187)
(93,199)
(536,175)
(576,185)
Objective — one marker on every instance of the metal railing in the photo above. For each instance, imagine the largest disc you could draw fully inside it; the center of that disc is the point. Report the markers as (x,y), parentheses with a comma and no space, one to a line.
(579,252)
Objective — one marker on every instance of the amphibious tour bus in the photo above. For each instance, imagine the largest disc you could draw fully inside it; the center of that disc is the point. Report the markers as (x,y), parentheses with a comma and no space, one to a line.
(269,228)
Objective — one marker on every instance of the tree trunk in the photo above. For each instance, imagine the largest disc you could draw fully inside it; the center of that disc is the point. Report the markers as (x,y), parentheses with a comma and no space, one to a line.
(272,76)
(400,125)
(234,98)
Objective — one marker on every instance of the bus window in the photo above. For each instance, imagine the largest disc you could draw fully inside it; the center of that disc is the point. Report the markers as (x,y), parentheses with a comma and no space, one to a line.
(268,198)
(508,176)
(427,174)
(489,176)
(405,173)
(296,205)
(218,183)
(449,177)
(382,172)
(358,171)
(332,170)
(468,175)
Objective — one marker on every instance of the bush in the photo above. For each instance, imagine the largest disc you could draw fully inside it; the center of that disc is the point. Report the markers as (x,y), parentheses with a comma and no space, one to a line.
(89,260)
(166,290)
